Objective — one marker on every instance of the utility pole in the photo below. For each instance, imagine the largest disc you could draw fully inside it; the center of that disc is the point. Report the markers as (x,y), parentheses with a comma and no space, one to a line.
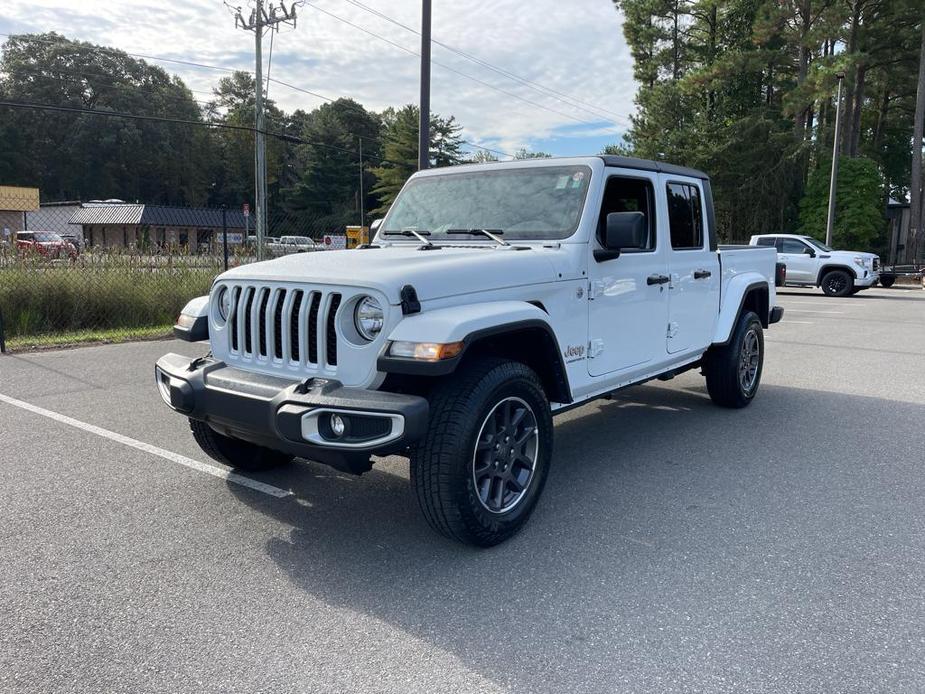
(262,18)
(424,128)
(833,177)
(362,192)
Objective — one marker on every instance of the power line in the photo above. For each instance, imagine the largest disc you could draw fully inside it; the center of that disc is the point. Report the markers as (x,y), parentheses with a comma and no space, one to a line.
(288,85)
(572,101)
(184,121)
(451,69)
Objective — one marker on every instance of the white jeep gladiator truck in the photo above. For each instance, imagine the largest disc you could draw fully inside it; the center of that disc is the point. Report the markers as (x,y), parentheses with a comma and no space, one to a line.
(810,263)
(492,297)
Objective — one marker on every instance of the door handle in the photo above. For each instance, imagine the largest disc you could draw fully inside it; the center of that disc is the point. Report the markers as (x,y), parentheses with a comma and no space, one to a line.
(702,274)
(657,279)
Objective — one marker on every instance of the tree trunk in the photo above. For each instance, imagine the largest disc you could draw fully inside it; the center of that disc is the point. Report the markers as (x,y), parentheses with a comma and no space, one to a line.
(855,138)
(915,194)
(882,114)
(804,12)
(850,77)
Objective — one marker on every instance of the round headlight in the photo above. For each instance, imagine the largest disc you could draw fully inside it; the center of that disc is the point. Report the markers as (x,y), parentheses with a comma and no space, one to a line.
(224,303)
(368,318)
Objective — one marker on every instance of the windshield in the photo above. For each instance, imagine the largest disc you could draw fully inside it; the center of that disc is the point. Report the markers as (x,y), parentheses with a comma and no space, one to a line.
(818,244)
(47,236)
(533,203)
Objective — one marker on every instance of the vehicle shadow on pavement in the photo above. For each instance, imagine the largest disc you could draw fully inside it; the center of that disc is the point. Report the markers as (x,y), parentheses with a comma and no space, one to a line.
(675,542)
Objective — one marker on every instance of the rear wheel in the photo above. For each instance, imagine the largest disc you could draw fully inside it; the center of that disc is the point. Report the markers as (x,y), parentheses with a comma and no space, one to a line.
(887,280)
(733,370)
(234,452)
(480,469)
(837,283)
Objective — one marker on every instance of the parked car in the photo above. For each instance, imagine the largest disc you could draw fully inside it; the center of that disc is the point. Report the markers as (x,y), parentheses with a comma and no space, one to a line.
(492,298)
(45,243)
(810,263)
(292,244)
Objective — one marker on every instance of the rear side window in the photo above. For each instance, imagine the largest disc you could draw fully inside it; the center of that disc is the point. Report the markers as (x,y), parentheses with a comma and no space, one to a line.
(766,241)
(685,216)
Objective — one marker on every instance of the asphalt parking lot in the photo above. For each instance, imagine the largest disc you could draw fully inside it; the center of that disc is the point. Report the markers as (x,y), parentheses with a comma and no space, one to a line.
(678,546)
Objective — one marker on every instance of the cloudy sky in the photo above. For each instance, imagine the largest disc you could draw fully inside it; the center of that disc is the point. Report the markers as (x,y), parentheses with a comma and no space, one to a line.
(572,54)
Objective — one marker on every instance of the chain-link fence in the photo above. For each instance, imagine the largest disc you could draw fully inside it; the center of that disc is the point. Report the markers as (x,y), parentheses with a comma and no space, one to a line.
(84,271)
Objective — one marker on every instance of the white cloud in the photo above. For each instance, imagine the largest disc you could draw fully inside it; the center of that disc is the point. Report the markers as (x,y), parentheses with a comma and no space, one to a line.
(576,48)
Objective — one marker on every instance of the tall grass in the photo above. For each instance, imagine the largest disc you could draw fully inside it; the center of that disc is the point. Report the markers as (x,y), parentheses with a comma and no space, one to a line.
(108,294)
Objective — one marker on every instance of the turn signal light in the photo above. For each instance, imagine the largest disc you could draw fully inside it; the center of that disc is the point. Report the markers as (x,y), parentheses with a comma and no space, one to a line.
(425,351)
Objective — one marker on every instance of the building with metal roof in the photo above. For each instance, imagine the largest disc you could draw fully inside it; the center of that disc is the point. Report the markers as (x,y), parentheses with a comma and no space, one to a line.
(114,225)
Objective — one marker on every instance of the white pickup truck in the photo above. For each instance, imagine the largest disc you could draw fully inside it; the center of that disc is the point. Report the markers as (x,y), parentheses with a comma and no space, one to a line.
(292,244)
(493,297)
(810,263)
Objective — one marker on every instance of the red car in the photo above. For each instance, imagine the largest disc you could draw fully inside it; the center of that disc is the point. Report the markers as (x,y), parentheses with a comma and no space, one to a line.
(45,243)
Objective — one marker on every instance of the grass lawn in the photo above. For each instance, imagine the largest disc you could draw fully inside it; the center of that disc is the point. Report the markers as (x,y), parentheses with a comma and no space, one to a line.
(78,337)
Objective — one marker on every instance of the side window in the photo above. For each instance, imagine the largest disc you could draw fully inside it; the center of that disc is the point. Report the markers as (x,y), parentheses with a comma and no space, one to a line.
(629,195)
(685,216)
(792,246)
(766,241)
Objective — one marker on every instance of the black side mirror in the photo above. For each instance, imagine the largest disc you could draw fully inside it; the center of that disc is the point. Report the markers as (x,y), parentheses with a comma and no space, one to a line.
(810,252)
(624,230)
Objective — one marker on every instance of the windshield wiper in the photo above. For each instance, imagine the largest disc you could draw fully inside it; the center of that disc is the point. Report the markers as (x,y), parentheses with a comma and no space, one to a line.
(419,235)
(493,234)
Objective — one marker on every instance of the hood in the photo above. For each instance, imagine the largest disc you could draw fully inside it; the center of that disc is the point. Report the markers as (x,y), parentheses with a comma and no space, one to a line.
(434,274)
(849,256)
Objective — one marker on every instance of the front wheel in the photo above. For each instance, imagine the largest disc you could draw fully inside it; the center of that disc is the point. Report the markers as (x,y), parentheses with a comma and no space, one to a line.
(887,281)
(733,370)
(480,469)
(837,283)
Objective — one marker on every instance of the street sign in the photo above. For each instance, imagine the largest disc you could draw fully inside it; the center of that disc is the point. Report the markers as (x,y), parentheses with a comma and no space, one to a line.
(246,209)
(335,242)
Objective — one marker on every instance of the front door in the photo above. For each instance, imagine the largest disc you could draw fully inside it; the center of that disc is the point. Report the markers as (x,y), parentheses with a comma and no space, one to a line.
(798,257)
(694,268)
(628,307)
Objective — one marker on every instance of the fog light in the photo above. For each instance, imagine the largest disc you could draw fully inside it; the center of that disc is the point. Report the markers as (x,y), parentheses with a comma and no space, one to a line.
(338,425)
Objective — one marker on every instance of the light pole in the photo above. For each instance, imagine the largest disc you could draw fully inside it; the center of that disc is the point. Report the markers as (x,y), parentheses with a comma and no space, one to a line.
(424,127)
(833,178)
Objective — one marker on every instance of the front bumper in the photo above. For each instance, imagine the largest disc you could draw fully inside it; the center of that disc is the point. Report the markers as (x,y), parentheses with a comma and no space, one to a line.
(866,278)
(292,416)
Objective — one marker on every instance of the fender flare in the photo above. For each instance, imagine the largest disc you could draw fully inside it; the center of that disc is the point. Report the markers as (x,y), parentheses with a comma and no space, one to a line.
(193,323)
(470,325)
(734,296)
(834,266)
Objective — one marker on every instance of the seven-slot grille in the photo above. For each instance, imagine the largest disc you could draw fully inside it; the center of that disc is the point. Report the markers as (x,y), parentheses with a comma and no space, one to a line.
(283,325)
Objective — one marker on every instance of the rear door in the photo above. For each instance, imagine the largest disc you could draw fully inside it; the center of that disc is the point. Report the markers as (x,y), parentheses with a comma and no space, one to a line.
(628,301)
(693,265)
(798,257)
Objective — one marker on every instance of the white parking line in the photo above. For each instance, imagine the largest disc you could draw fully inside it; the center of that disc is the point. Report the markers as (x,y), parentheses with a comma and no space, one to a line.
(148,448)
(810,310)
(791,322)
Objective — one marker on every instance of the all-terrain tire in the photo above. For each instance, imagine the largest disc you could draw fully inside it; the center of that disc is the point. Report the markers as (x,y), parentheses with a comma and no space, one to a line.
(470,472)
(837,283)
(733,370)
(242,455)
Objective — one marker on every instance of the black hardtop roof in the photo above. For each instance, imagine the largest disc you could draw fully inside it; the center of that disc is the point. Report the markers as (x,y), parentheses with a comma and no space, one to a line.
(650,165)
